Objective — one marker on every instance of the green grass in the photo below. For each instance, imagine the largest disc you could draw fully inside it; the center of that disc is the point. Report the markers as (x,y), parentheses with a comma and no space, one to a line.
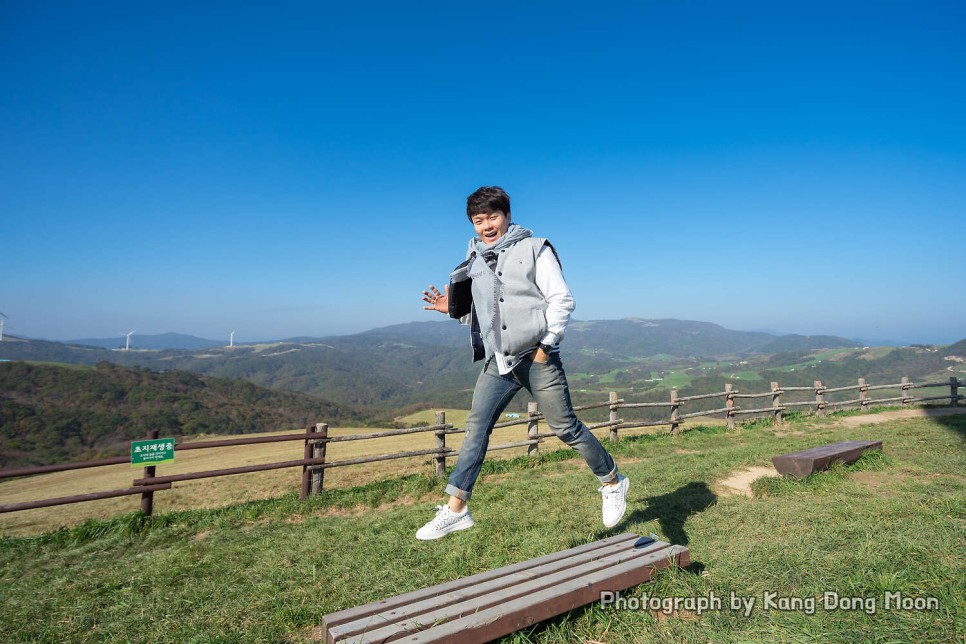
(610,377)
(677,378)
(745,375)
(269,570)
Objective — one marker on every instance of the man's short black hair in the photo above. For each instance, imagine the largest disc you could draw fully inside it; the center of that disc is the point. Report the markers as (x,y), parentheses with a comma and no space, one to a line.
(486,200)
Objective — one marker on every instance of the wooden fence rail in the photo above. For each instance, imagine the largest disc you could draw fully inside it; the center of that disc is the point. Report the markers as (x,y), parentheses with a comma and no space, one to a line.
(315,460)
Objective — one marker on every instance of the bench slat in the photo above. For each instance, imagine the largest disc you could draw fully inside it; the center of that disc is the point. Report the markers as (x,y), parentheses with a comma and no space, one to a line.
(359,612)
(496,589)
(487,605)
(503,619)
(497,592)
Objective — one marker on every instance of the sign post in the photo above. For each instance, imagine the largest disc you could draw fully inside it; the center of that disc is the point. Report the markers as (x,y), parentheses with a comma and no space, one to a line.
(147,454)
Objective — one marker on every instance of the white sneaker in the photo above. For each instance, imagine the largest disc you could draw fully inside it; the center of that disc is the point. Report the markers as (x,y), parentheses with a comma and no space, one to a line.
(615,501)
(444,522)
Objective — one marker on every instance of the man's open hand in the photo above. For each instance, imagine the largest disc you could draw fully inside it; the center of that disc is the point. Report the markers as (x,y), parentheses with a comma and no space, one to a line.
(437,301)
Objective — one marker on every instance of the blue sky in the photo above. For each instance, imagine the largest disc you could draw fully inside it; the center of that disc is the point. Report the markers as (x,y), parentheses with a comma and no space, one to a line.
(283,169)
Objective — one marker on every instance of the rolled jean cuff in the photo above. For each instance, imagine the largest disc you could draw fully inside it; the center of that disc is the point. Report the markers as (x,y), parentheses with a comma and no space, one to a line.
(610,477)
(452,490)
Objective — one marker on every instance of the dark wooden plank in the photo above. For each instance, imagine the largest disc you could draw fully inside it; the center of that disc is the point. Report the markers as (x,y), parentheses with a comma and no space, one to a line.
(555,587)
(397,622)
(500,583)
(358,612)
(805,462)
(500,620)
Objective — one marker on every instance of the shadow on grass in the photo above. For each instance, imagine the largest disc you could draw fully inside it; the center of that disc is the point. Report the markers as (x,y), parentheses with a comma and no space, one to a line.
(673,509)
(952,417)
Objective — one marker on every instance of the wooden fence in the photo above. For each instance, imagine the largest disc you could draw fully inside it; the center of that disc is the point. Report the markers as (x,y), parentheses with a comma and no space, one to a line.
(316,438)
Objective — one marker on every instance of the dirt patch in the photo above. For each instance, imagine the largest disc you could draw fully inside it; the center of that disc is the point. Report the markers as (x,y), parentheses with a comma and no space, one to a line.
(659,615)
(314,634)
(359,510)
(874,481)
(201,535)
(886,416)
(681,450)
(639,459)
(780,433)
(739,483)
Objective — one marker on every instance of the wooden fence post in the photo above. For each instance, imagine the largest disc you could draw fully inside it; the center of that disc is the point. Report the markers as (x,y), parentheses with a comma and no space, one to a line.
(318,451)
(730,404)
(863,395)
(819,399)
(440,445)
(954,391)
(613,415)
(674,410)
(532,428)
(306,474)
(776,403)
(905,388)
(147,498)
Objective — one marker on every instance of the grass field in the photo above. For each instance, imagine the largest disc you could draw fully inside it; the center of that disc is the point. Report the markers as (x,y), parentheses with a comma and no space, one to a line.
(269,570)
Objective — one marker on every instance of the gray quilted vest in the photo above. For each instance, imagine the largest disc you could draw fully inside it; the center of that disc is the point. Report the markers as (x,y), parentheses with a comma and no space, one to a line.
(512,298)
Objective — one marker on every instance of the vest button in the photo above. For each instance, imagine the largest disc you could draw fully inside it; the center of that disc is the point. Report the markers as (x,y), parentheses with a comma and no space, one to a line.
(500,273)
(506,353)
(501,299)
(504,327)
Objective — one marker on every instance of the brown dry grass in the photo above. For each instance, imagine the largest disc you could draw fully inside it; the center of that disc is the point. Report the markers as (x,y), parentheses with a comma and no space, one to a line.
(227,490)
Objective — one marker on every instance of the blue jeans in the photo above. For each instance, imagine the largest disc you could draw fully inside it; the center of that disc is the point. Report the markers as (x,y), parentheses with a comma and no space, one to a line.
(547,383)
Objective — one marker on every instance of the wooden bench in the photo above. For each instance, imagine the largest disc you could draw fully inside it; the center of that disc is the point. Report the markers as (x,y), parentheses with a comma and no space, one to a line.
(482,607)
(799,464)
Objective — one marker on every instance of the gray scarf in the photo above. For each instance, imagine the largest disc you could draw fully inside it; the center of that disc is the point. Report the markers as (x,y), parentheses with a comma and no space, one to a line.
(488,254)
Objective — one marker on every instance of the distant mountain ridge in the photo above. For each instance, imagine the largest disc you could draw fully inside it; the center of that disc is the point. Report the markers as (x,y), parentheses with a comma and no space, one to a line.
(681,336)
(155,342)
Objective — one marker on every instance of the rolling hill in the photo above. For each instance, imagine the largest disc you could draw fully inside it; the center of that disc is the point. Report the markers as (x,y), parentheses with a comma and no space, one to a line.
(51,414)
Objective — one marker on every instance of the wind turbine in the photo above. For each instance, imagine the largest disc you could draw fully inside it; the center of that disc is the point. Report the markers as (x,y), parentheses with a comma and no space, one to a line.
(231,342)
(127,344)
(2,318)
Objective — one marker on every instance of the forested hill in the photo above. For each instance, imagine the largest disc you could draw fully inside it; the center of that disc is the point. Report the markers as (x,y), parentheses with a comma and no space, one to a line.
(51,414)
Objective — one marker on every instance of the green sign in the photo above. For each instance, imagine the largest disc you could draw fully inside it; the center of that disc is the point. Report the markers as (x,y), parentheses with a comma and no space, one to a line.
(152,452)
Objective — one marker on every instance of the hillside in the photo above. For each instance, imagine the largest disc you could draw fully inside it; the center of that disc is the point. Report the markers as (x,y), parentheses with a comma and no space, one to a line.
(421,362)
(51,414)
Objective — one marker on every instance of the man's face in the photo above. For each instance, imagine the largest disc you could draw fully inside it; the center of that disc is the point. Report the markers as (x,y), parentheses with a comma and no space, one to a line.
(490,226)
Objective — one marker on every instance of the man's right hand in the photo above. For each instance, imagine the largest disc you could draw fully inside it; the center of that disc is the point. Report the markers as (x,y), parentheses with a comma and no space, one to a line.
(437,301)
